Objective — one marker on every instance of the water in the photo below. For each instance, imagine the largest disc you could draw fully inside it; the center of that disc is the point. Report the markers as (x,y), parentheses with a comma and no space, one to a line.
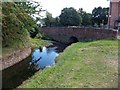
(38,60)
(44,58)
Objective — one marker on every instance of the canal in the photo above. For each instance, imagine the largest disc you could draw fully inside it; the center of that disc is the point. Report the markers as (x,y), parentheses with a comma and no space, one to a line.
(39,59)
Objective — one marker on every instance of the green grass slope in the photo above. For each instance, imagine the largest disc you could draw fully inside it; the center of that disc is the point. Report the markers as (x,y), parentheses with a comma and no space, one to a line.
(81,65)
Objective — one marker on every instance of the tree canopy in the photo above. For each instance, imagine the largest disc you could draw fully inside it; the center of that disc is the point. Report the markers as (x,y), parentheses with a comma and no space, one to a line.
(70,17)
(33,9)
(16,22)
(86,17)
(49,21)
(100,15)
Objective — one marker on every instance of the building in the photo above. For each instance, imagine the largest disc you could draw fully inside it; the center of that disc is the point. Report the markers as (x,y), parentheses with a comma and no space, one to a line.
(114,13)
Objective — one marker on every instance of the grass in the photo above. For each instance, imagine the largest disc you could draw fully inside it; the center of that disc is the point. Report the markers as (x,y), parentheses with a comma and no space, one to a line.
(17,45)
(33,43)
(81,65)
(14,41)
(38,43)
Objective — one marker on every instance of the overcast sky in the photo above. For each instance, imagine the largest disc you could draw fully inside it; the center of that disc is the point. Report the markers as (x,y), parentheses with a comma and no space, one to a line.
(55,6)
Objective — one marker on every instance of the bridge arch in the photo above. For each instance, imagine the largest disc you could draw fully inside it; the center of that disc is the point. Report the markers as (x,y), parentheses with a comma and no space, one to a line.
(72,39)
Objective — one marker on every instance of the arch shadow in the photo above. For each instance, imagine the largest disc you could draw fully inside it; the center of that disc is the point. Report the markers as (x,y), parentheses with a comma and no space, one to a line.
(73,39)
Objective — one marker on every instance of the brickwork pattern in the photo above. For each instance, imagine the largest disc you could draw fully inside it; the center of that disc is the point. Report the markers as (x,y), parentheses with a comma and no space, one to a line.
(63,34)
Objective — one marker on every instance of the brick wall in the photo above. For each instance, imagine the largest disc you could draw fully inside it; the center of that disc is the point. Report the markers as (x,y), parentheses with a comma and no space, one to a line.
(114,12)
(63,34)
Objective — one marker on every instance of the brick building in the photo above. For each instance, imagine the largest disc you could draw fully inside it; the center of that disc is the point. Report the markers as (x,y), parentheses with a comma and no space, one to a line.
(114,13)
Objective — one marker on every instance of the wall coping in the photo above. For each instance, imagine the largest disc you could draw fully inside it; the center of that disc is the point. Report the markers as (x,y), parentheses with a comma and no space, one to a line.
(14,58)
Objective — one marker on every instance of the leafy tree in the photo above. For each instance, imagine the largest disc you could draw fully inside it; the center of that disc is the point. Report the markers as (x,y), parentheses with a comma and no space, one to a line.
(81,12)
(49,20)
(70,17)
(105,15)
(14,27)
(100,15)
(33,9)
(16,22)
(86,17)
(57,22)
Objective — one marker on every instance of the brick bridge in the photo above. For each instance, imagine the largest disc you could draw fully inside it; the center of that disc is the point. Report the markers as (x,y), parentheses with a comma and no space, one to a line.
(74,34)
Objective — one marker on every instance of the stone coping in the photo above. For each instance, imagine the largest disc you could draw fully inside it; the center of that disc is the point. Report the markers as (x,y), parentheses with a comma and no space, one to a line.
(14,58)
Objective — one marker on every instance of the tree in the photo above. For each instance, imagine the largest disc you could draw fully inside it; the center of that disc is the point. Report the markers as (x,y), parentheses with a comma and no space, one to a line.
(57,22)
(100,15)
(70,17)
(86,17)
(16,22)
(33,10)
(49,20)
(81,12)
(105,15)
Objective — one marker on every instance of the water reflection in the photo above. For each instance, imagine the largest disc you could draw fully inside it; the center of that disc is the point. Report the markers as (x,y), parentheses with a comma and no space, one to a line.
(44,58)
(39,59)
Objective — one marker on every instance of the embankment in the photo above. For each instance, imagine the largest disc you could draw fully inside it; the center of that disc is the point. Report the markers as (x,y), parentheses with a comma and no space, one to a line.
(14,58)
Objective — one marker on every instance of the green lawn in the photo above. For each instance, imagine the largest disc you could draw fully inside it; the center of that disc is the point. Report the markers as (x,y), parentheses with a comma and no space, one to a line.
(81,65)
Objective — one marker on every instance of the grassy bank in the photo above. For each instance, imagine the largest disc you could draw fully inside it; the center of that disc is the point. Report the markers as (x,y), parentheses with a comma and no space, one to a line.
(81,65)
(33,43)
(17,45)
(38,43)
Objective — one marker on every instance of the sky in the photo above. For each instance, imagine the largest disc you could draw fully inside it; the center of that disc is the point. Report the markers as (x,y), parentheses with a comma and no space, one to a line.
(55,6)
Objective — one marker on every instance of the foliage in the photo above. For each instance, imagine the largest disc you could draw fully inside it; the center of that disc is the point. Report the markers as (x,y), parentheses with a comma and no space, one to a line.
(81,65)
(14,21)
(33,9)
(34,31)
(17,21)
(57,22)
(49,21)
(86,17)
(39,36)
(70,17)
(100,15)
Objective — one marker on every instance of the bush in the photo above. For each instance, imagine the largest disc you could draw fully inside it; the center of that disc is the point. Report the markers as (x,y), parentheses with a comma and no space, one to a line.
(38,36)
(15,25)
